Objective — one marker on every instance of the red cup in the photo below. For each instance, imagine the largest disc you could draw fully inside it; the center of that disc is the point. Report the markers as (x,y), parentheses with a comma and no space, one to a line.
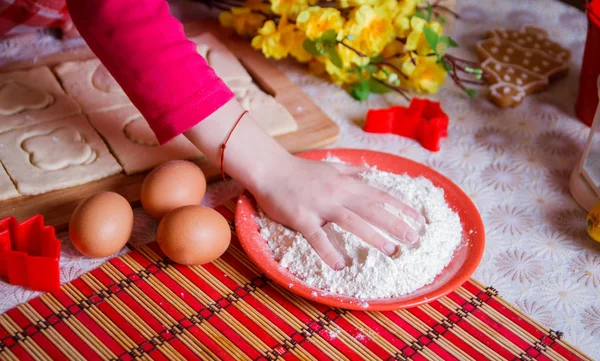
(587,101)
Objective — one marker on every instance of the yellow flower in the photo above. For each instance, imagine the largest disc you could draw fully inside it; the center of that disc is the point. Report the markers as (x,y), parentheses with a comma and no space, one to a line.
(416,39)
(371,31)
(316,20)
(392,49)
(344,4)
(406,7)
(401,25)
(387,8)
(243,20)
(349,58)
(427,76)
(269,39)
(259,5)
(408,67)
(294,41)
(289,8)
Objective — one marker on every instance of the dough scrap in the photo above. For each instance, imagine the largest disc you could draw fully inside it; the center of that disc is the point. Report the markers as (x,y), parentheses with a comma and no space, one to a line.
(7,188)
(91,85)
(224,63)
(15,98)
(78,165)
(133,142)
(31,97)
(273,117)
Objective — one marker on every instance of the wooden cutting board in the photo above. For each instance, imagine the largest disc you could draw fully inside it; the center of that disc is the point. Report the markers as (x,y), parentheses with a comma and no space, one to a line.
(315,130)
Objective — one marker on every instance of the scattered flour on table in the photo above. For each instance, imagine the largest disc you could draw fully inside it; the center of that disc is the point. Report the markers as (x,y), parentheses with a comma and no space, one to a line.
(369,273)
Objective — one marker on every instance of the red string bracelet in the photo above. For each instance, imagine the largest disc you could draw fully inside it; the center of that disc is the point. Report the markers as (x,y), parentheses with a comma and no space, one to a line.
(224,145)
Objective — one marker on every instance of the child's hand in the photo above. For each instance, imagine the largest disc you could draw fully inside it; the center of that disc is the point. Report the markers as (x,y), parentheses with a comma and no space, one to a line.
(298,193)
(304,195)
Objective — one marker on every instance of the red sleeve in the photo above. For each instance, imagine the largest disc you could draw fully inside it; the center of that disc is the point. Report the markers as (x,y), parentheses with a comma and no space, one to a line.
(147,52)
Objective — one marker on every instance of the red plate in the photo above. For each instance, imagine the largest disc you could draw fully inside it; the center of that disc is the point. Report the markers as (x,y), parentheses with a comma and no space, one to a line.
(462,266)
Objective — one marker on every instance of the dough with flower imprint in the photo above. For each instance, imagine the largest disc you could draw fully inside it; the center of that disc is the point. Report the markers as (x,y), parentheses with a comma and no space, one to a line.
(520,62)
(55,154)
(90,83)
(32,96)
(134,144)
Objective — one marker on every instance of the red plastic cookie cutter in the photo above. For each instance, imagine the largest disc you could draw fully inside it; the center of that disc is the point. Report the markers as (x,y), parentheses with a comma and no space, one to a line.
(424,120)
(29,254)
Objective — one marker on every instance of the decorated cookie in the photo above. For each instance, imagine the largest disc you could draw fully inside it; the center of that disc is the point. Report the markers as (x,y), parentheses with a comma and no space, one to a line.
(520,62)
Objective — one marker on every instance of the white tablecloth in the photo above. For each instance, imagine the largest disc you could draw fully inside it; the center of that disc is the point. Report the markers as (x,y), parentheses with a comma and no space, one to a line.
(514,163)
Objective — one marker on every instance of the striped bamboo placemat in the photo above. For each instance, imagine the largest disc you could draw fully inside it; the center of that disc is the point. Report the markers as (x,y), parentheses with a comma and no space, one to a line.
(142,306)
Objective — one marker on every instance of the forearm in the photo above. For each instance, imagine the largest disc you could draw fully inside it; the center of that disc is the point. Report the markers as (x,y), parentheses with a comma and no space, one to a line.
(250,153)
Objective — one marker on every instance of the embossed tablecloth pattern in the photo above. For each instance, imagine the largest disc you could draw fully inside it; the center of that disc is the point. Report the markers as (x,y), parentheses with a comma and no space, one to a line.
(514,163)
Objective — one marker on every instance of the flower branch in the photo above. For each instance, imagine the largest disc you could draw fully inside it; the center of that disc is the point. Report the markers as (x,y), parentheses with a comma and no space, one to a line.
(339,38)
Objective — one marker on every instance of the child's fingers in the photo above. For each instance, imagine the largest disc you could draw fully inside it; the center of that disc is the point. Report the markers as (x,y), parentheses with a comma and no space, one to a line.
(354,224)
(375,214)
(366,191)
(317,237)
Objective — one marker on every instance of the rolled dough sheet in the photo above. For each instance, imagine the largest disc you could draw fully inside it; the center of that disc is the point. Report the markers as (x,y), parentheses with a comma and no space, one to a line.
(7,188)
(133,143)
(221,59)
(91,85)
(268,112)
(54,155)
(31,97)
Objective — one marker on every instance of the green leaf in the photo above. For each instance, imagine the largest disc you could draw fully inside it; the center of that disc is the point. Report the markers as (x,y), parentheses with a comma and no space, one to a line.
(429,13)
(370,68)
(330,36)
(335,57)
(471,92)
(421,15)
(446,66)
(311,47)
(474,70)
(432,38)
(360,90)
(377,59)
(448,41)
(427,17)
(377,87)
(452,43)
(350,37)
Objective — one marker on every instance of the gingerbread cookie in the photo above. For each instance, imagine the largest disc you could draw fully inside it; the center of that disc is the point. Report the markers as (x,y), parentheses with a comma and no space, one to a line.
(520,62)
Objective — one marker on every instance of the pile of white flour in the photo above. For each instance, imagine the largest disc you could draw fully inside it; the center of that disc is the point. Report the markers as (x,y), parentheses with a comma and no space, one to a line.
(369,273)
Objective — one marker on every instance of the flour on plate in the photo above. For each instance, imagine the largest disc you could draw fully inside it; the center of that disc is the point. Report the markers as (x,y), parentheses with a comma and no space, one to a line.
(369,273)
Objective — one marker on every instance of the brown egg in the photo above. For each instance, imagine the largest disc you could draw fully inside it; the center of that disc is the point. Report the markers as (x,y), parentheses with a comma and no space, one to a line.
(193,235)
(172,185)
(101,225)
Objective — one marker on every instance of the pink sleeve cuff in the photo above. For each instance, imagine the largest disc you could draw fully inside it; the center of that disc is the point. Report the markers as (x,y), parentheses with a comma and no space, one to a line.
(191,112)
